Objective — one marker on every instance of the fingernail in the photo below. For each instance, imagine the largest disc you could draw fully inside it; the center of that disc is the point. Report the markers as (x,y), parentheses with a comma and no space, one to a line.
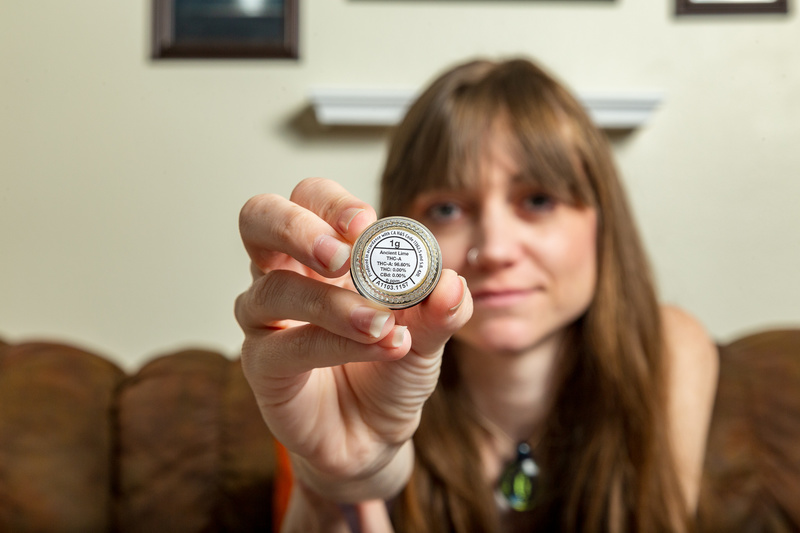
(370,321)
(463,295)
(332,253)
(347,217)
(398,336)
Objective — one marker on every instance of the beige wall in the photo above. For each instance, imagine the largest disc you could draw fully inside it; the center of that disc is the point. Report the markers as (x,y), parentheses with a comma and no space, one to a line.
(121,178)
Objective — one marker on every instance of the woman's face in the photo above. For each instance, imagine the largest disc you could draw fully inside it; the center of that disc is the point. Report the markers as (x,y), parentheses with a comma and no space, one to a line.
(536,265)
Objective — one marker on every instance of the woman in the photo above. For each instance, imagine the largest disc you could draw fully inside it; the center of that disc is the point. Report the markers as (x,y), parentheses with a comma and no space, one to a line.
(557,338)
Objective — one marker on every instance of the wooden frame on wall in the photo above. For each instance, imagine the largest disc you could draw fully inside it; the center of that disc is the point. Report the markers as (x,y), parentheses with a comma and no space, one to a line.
(722,7)
(235,29)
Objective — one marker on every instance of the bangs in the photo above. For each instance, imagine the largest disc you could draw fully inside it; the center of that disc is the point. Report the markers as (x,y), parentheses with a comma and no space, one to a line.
(543,147)
(446,148)
(550,155)
(472,122)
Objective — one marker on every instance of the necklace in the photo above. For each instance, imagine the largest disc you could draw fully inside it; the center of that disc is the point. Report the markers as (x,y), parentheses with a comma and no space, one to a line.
(517,485)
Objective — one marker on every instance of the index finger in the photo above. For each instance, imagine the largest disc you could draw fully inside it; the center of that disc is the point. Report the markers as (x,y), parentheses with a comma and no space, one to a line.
(348,215)
(315,230)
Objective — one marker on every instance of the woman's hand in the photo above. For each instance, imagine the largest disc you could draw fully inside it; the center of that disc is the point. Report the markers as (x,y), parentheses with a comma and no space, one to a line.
(340,381)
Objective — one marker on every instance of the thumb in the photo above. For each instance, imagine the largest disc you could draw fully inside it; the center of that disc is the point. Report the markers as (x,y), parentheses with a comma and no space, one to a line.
(435,320)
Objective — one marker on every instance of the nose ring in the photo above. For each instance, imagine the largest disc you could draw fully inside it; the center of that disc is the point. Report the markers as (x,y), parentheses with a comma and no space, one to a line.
(472,257)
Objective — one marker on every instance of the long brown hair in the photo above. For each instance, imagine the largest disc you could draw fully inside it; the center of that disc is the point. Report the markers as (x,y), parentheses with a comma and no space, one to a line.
(605,459)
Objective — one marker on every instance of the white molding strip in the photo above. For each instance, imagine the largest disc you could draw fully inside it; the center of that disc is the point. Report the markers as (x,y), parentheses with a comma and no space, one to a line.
(386,107)
(621,110)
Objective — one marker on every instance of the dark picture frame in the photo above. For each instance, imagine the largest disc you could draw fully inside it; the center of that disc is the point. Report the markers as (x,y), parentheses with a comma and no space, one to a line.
(235,29)
(706,7)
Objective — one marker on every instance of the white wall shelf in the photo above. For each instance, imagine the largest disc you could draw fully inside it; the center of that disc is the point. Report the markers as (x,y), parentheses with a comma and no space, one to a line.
(385,107)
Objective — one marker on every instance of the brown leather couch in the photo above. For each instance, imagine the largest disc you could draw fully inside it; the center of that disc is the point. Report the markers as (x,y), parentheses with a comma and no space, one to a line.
(180,446)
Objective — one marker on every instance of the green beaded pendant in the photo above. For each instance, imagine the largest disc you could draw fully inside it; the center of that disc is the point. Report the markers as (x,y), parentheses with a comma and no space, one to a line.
(518,480)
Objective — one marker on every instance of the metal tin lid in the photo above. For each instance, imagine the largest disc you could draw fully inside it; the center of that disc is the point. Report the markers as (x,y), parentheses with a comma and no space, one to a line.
(396,262)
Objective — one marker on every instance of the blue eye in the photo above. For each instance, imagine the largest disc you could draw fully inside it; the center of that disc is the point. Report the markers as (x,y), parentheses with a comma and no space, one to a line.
(444,211)
(538,202)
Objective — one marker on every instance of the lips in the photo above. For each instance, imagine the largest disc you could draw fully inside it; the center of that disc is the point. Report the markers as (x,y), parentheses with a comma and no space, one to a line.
(499,298)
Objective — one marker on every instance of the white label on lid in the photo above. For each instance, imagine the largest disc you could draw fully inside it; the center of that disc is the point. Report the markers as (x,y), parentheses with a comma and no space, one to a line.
(396,260)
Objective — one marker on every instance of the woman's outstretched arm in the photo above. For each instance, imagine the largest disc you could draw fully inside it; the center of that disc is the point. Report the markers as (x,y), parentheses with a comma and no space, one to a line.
(340,381)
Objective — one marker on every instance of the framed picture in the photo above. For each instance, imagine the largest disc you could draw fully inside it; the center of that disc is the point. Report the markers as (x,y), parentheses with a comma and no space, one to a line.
(225,29)
(712,7)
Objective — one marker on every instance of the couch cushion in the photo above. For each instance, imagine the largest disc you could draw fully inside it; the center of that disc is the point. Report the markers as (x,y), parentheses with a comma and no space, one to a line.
(194,453)
(55,438)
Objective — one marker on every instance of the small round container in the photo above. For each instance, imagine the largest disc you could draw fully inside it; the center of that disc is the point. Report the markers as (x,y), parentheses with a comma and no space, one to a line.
(396,262)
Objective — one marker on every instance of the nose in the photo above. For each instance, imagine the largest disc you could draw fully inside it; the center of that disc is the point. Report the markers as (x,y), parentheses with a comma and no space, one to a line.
(496,243)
